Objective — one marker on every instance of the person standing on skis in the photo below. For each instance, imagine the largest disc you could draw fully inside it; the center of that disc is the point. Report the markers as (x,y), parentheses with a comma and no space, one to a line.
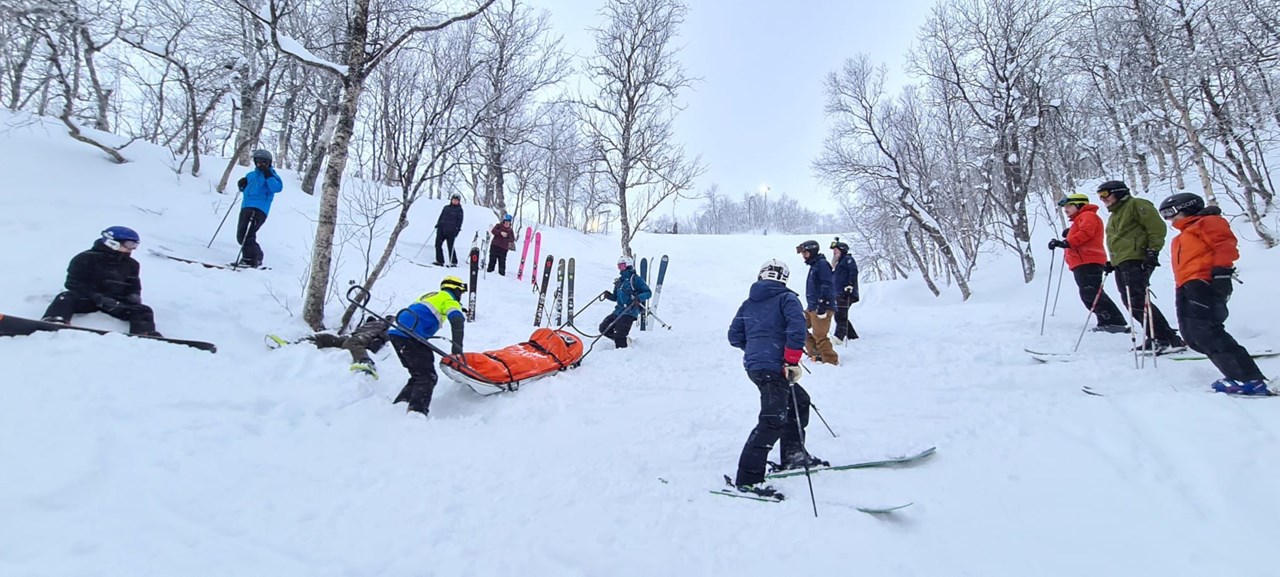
(1086,257)
(258,189)
(1204,258)
(448,226)
(769,327)
(820,296)
(845,279)
(1135,235)
(424,319)
(629,291)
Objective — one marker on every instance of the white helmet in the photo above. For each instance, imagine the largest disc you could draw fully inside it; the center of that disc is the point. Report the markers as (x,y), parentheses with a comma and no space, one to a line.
(774,269)
(625,261)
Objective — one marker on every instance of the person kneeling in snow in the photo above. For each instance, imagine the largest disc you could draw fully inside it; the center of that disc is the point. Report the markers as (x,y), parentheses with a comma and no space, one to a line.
(629,291)
(424,318)
(769,327)
(105,278)
(1204,256)
(370,336)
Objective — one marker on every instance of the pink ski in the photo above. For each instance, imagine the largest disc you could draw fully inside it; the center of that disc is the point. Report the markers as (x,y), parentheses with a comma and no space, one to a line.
(537,249)
(528,236)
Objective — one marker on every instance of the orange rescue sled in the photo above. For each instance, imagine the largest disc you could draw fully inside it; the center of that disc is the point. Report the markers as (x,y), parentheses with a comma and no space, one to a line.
(546,353)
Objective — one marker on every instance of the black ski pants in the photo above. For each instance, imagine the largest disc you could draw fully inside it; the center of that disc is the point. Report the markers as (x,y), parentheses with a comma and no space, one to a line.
(617,328)
(1201,314)
(66,304)
(1132,280)
(251,219)
(441,239)
(1089,281)
(359,345)
(777,420)
(421,364)
(844,328)
(498,255)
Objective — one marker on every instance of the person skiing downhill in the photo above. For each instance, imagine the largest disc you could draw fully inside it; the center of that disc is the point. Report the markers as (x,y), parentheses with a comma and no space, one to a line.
(1135,236)
(845,280)
(504,241)
(1082,243)
(106,278)
(820,296)
(1204,255)
(769,327)
(258,189)
(448,226)
(629,291)
(424,317)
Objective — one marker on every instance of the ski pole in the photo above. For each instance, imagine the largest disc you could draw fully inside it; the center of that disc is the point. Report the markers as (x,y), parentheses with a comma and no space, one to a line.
(1151,328)
(240,253)
(1092,308)
(1061,273)
(1045,310)
(224,219)
(426,242)
(824,421)
(1133,335)
(655,317)
(795,406)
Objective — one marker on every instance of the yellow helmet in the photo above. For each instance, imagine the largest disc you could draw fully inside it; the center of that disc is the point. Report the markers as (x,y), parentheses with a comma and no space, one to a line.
(453,283)
(1076,199)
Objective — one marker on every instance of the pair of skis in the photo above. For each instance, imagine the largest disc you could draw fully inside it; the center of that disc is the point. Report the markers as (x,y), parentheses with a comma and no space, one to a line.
(563,294)
(656,288)
(473,260)
(536,238)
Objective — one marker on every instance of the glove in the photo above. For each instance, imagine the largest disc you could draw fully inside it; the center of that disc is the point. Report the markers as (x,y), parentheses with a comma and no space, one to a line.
(106,303)
(457,349)
(265,170)
(792,373)
(1055,243)
(1065,232)
(1151,261)
(791,368)
(608,295)
(1222,282)
(242,183)
(848,290)
(135,299)
(1108,268)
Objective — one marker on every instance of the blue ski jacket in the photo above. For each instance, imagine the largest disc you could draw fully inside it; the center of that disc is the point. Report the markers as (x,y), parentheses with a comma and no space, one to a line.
(260,190)
(627,288)
(768,322)
(846,274)
(819,291)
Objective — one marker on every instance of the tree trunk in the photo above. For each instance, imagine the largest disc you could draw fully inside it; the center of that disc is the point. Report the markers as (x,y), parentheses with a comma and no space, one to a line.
(323,142)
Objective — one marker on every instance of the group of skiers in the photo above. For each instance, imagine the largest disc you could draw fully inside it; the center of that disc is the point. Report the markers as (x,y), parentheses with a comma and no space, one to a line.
(1203,255)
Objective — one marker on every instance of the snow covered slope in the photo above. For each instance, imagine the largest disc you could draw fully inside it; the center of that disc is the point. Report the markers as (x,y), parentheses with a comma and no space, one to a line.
(126,457)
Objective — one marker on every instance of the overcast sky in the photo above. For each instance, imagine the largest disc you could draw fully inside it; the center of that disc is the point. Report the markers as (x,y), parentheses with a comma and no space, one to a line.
(756,115)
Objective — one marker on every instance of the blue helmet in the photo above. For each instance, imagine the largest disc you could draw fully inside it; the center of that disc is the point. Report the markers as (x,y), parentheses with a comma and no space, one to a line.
(506,218)
(116,237)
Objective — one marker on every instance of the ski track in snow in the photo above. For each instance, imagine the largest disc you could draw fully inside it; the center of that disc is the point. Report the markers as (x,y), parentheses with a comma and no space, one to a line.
(130,457)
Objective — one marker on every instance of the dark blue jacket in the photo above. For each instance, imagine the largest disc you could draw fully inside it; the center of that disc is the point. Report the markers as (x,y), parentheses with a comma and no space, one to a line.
(769,321)
(846,274)
(627,288)
(260,190)
(819,292)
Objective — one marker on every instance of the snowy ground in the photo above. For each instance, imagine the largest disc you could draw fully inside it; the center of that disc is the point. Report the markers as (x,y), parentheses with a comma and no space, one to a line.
(127,457)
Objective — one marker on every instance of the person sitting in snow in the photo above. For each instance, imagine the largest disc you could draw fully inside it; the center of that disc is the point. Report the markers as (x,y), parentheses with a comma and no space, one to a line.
(820,294)
(1086,256)
(629,291)
(1204,257)
(369,337)
(424,318)
(106,278)
(769,327)
(845,280)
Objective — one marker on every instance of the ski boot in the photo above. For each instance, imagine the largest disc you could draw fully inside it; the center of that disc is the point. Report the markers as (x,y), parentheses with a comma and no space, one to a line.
(366,368)
(55,319)
(1113,329)
(798,460)
(758,489)
(1254,388)
(274,342)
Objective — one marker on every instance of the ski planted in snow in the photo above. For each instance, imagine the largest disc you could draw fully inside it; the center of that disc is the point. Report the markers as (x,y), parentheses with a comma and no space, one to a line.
(474,260)
(657,286)
(528,237)
(11,326)
(559,298)
(895,462)
(569,291)
(542,295)
(644,276)
(537,248)
(484,252)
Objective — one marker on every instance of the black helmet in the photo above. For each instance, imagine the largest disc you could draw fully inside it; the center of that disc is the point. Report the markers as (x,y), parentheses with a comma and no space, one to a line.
(1181,202)
(1116,188)
(261,154)
(808,245)
(841,246)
